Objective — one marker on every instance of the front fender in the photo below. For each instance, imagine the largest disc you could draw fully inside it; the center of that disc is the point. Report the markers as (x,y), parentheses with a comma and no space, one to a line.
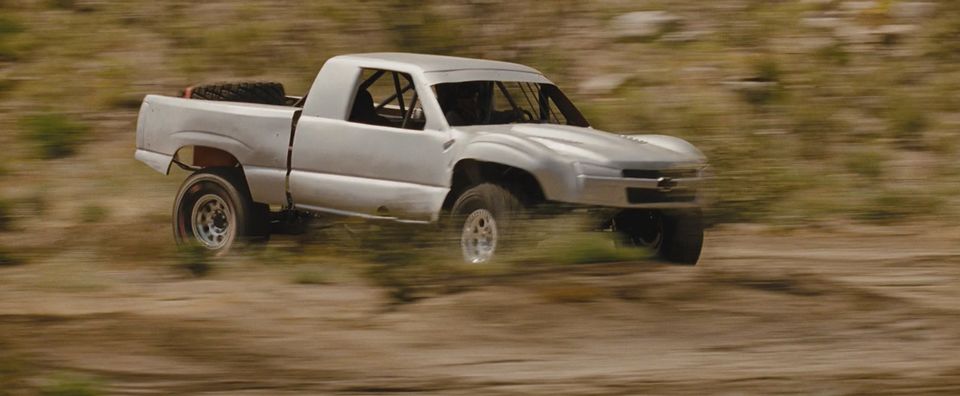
(555,175)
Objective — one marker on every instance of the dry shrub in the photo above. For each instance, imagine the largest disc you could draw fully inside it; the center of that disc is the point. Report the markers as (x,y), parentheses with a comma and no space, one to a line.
(53,135)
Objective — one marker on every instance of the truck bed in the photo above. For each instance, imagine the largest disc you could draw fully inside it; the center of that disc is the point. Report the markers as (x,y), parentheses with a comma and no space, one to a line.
(257,135)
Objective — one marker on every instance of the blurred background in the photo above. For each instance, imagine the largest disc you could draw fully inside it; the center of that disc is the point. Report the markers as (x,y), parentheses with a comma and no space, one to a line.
(832,127)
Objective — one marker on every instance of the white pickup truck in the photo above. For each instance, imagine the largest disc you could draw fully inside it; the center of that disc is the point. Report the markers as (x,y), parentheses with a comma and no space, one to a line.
(415,138)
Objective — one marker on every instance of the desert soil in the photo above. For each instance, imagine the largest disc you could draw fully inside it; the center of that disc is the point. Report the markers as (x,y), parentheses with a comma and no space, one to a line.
(839,310)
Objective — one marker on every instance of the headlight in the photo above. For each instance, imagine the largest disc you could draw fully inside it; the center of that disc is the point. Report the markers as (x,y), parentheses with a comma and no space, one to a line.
(584,168)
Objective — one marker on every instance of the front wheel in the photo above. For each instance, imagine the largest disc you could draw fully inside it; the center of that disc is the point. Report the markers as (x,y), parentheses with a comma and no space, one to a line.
(483,215)
(214,210)
(674,236)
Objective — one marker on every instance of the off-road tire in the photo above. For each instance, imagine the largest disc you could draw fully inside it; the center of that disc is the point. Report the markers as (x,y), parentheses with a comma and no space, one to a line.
(244,221)
(504,205)
(263,92)
(678,234)
(682,237)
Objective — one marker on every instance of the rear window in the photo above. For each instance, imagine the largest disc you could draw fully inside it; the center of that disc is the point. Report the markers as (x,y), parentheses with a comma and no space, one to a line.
(387,98)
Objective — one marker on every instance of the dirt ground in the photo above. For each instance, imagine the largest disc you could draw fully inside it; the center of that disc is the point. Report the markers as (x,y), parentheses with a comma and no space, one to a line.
(833,311)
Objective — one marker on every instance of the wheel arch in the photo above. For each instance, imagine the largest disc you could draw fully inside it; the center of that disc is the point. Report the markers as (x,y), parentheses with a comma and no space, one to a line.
(469,172)
(202,157)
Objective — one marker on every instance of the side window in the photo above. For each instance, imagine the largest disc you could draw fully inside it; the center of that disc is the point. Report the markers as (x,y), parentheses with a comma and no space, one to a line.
(387,98)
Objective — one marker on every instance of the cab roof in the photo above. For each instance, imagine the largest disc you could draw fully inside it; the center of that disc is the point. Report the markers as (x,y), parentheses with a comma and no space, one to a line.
(434,63)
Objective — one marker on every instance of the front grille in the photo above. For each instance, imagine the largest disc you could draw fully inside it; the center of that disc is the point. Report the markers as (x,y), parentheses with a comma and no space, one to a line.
(656,174)
(644,195)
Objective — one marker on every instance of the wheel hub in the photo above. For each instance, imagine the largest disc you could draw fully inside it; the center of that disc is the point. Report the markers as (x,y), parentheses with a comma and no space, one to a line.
(641,229)
(479,237)
(212,221)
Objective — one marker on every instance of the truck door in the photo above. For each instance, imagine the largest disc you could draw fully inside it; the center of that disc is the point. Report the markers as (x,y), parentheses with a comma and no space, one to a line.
(380,161)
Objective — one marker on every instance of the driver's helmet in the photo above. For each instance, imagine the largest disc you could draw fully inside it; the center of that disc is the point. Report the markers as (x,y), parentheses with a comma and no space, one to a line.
(469,89)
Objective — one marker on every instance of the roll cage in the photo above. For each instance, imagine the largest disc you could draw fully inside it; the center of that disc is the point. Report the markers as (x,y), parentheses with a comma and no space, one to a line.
(405,110)
(532,99)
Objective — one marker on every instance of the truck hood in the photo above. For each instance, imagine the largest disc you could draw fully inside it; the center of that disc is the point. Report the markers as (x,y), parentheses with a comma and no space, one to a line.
(601,148)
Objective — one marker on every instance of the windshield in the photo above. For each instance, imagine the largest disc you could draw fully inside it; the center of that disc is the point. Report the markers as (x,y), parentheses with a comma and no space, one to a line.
(506,102)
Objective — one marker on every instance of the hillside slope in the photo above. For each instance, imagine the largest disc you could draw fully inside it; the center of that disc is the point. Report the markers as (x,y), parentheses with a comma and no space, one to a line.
(810,111)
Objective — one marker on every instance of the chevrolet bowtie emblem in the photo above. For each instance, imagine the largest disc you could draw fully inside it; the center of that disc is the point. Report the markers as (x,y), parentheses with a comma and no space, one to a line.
(666,184)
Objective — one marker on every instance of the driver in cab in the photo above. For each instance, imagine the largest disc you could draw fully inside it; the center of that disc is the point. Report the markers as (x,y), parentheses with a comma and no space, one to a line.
(461,103)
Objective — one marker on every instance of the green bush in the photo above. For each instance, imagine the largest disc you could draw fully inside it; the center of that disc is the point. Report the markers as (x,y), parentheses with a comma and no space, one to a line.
(584,248)
(53,135)
(71,386)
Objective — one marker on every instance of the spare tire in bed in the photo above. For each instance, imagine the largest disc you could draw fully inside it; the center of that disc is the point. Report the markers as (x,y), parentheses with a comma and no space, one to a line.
(262,92)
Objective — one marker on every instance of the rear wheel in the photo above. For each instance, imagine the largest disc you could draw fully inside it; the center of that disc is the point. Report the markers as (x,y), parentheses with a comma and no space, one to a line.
(674,236)
(483,215)
(214,210)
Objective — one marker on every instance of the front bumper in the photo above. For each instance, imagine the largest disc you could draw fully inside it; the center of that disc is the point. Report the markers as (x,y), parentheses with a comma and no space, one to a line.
(624,192)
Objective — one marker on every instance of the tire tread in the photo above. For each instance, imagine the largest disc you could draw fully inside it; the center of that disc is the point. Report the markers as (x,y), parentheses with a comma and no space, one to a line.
(262,92)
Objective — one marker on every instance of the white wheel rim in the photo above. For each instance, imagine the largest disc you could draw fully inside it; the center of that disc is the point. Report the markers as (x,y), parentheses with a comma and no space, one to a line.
(212,221)
(479,237)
